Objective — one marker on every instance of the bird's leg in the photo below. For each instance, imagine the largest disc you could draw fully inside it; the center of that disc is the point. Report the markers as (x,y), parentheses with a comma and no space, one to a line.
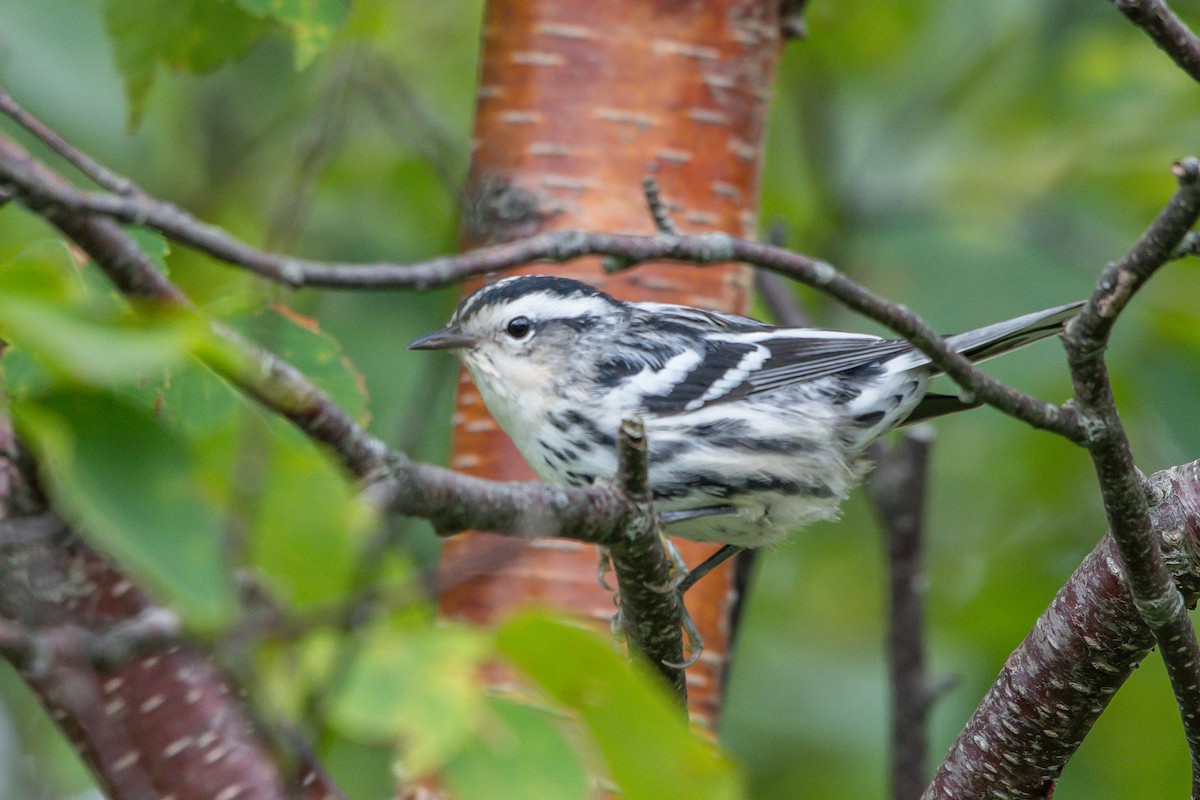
(684,579)
(686,514)
(708,565)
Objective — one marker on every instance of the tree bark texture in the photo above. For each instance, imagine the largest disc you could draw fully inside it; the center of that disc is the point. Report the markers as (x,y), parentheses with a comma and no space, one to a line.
(168,722)
(578,102)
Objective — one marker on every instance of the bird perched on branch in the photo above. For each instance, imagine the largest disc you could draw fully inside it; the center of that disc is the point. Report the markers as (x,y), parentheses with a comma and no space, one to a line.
(753,431)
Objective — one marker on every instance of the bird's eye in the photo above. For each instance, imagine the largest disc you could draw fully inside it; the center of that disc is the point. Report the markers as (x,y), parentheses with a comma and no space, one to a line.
(519,327)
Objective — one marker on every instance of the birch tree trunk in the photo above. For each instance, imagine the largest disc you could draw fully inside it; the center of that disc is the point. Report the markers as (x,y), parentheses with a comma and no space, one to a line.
(577,103)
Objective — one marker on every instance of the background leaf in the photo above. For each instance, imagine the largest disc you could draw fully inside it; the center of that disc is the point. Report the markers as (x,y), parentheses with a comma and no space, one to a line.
(312,22)
(45,309)
(518,753)
(191,35)
(300,341)
(637,727)
(309,521)
(129,483)
(418,687)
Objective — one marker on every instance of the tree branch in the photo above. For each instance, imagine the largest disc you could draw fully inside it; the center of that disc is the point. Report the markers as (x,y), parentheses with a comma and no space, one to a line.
(896,488)
(1121,485)
(1055,686)
(1167,30)
(29,181)
(523,509)
(451,501)
(651,613)
(103,177)
(34,649)
(152,715)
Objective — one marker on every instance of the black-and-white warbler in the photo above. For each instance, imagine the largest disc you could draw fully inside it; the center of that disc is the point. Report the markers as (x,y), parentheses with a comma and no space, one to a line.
(753,430)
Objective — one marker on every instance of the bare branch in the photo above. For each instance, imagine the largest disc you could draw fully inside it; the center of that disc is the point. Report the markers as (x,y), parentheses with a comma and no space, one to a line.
(896,488)
(260,374)
(82,161)
(1121,485)
(777,294)
(1154,248)
(54,197)
(30,185)
(1167,30)
(522,509)
(1055,686)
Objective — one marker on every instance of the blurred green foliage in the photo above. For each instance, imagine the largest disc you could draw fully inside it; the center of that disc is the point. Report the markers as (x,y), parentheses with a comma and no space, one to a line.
(972,160)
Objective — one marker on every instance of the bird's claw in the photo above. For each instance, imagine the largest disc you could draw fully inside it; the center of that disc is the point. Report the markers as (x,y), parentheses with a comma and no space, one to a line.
(603,568)
(695,644)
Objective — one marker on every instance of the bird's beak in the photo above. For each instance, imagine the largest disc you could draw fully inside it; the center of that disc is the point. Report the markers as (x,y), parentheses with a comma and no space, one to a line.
(448,338)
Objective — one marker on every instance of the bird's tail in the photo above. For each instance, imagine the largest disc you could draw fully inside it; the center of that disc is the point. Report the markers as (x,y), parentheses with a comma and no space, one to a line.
(993,340)
(988,342)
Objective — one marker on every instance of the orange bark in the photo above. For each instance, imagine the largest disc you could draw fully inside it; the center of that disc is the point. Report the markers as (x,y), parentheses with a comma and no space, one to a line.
(578,102)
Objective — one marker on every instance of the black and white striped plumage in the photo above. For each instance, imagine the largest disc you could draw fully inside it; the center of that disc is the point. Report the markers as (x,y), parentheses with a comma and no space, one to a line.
(768,424)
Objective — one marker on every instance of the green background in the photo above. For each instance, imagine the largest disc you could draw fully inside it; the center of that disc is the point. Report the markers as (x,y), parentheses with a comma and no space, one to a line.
(971,160)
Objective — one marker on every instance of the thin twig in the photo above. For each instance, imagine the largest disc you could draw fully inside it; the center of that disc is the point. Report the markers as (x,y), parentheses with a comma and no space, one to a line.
(896,488)
(658,207)
(103,177)
(260,374)
(777,294)
(1155,595)
(1167,30)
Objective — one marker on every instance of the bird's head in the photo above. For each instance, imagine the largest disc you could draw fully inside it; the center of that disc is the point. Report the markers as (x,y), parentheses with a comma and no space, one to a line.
(519,335)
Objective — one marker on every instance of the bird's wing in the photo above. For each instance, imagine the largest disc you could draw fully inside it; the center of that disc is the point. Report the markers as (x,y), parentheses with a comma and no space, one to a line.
(732,357)
(796,358)
(742,364)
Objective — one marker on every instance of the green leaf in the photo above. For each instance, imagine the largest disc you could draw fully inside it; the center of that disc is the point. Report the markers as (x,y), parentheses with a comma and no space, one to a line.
(638,728)
(92,351)
(44,271)
(300,341)
(128,481)
(312,22)
(309,524)
(154,245)
(519,752)
(46,310)
(186,35)
(420,687)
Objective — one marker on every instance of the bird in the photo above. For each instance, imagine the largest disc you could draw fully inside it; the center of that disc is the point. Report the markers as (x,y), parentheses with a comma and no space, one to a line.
(753,431)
